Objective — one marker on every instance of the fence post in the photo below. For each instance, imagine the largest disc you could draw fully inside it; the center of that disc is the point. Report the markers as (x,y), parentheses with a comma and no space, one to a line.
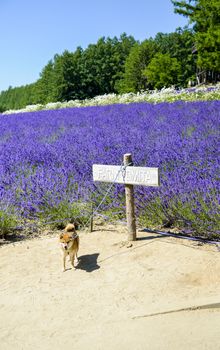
(129,197)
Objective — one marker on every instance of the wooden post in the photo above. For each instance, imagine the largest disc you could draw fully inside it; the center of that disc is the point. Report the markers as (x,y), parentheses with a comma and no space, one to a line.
(91,219)
(129,197)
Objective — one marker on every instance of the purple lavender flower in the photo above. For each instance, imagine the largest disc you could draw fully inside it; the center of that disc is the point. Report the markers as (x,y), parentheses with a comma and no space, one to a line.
(46,158)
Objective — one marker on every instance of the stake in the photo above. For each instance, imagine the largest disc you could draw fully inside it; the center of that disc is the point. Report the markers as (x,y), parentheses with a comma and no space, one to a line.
(129,197)
(91,219)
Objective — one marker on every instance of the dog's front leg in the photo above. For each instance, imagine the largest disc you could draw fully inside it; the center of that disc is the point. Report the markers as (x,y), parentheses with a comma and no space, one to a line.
(76,259)
(72,257)
(64,262)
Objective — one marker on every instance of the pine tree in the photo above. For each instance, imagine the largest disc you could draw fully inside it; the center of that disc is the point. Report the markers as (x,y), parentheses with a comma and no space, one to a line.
(205,15)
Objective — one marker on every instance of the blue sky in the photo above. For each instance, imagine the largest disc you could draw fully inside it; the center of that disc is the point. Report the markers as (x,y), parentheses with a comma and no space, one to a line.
(33,31)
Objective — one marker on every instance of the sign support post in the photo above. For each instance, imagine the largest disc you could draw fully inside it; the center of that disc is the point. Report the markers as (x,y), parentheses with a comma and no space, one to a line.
(129,198)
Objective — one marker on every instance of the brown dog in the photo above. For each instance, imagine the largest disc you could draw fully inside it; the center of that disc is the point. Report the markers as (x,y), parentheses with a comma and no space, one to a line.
(69,241)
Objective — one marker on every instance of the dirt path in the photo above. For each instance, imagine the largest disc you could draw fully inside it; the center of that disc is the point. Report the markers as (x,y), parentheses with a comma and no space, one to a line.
(118,298)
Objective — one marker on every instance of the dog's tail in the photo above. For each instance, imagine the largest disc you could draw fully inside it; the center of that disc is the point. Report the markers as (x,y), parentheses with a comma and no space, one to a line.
(70,228)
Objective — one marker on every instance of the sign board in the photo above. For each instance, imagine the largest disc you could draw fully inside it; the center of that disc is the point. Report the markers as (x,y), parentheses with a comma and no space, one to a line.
(129,175)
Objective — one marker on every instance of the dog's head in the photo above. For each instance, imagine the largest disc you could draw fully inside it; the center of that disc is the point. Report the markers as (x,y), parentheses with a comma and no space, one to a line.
(65,240)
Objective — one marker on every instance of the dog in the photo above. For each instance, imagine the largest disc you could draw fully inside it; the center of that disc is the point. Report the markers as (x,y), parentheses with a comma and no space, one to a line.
(69,242)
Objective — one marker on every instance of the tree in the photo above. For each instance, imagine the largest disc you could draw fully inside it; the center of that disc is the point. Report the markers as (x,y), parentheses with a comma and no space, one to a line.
(121,53)
(179,45)
(45,85)
(17,97)
(67,76)
(163,71)
(205,15)
(133,79)
(103,64)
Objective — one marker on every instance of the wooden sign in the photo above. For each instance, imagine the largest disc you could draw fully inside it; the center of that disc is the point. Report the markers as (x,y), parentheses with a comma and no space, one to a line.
(128,176)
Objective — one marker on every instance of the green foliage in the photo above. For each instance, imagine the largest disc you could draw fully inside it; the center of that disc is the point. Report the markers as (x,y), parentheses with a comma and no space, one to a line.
(7,222)
(2,109)
(205,15)
(44,86)
(58,216)
(180,214)
(208,46)
(179,45)
(140,56)
(162,71)
(103,64)
(19,97)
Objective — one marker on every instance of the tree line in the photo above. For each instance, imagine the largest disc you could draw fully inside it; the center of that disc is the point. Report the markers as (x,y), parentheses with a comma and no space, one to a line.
(124,64)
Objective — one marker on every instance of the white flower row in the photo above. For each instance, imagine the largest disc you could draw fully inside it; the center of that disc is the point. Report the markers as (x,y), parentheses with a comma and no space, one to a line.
(154,96)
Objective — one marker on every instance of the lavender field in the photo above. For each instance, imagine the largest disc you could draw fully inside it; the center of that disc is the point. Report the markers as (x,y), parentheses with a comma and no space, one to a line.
(46,162)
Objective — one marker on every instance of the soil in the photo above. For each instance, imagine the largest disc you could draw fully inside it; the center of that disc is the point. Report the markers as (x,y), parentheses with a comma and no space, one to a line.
(155,293)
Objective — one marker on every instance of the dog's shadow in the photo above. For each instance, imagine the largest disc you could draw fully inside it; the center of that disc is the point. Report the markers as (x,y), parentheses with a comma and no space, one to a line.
(88,262)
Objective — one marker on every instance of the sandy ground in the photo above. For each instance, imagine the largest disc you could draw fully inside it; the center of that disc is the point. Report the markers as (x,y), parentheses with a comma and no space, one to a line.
(140,297)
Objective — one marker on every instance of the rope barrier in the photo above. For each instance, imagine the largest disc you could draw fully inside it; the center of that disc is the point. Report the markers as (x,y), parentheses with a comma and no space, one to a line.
(195,239)
(122,169)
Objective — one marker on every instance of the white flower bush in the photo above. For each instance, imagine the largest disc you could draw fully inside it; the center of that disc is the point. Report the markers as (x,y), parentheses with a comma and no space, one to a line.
(153,96)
